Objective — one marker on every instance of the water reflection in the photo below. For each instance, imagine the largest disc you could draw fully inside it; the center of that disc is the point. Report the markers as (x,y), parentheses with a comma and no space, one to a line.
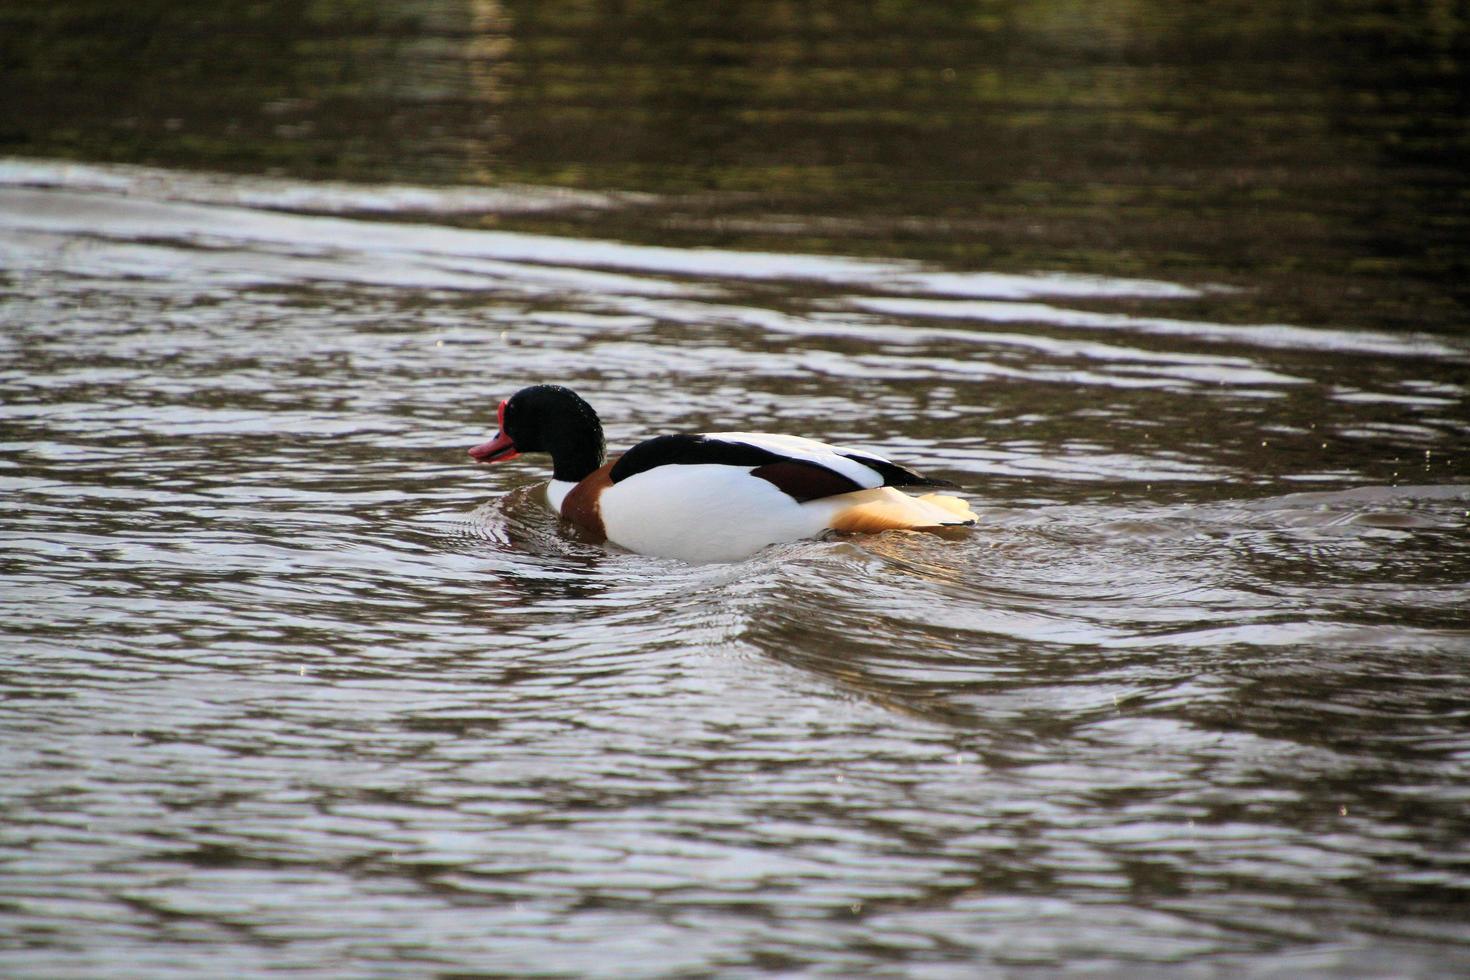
(1309,155)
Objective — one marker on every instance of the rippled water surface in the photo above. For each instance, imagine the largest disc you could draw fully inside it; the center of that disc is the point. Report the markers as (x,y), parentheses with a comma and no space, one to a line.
(290,684)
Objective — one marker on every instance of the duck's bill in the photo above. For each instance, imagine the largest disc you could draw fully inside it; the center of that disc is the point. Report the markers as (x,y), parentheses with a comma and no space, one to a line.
(497,450)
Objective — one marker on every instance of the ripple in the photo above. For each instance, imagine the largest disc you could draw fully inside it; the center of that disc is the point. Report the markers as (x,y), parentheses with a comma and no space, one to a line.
(291,684)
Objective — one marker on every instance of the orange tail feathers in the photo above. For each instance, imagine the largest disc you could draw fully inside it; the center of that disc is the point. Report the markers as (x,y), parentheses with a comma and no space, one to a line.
(886,509)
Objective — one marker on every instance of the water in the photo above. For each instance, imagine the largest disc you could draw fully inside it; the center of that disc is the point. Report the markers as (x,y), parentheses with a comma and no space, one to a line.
(1178,292)
(291,685)
(1310,153)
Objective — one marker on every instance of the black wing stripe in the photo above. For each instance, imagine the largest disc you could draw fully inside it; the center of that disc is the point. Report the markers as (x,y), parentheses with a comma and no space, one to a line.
(803,481)
(897,476)
(689,449)
(802,475)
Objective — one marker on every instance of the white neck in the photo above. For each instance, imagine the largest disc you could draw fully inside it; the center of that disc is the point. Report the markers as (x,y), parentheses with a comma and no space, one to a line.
(556,493)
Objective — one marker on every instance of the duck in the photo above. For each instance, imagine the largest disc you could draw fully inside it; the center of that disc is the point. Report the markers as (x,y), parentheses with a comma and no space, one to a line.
(709,497)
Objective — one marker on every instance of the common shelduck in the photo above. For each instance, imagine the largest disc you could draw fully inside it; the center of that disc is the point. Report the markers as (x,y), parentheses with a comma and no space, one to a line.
(719,496)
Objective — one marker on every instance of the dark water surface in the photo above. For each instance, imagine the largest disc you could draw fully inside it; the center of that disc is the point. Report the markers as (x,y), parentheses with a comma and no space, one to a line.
(1311,152)
(1176,291)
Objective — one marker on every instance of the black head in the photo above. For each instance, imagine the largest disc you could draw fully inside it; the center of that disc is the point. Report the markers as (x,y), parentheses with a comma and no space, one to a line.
(548,419)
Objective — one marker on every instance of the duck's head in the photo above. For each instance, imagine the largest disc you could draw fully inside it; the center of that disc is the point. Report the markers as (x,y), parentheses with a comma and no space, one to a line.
(547,419)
